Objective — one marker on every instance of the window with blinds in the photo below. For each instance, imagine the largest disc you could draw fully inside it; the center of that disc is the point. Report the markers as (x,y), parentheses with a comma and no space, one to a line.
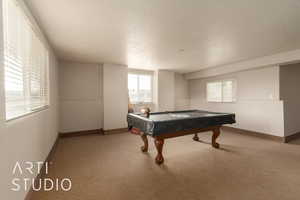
(221,91)
(26,63)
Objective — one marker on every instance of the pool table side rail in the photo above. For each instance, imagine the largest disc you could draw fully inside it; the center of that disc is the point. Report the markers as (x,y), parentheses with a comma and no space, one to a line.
(142,117)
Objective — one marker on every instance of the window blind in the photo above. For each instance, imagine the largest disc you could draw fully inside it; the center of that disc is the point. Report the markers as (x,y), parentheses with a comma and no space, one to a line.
(214,92)
(227,91)
(221,91)
(25,63)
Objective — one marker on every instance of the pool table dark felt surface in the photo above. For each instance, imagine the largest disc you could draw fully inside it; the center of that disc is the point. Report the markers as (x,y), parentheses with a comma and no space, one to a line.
(160,123)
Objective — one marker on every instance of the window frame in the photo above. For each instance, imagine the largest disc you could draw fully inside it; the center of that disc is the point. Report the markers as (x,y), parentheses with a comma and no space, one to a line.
(44,79)
(234,90)
(141,73)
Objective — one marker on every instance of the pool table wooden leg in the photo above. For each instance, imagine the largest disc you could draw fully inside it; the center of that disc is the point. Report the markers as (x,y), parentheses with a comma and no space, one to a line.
(196,138)
(144,148)
(216,133)
(159,147)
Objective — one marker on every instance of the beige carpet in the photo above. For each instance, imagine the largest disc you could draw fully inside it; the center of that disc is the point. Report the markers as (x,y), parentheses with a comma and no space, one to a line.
(113,167)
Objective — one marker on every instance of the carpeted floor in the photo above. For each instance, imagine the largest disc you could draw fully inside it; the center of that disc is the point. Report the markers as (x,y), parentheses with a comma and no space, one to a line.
(113,167)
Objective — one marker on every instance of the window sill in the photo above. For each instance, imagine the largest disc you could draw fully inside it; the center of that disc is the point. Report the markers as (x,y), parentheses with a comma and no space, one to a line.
(27,113)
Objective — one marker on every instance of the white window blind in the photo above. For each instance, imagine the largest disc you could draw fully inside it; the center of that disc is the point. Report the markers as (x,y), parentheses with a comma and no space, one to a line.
(227,91)
(214,92)
(140,88)
(221,91)
(25,63)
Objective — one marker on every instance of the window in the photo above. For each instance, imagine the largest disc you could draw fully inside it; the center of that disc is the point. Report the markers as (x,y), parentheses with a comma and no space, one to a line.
(221,91)
(25,63)
(140,88)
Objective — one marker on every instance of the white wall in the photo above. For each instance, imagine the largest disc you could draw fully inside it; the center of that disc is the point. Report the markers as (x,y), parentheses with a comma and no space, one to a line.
(80,91)
(165,90)
(29,138)
(115,96)
(182,101)
(290,94)
(258,107)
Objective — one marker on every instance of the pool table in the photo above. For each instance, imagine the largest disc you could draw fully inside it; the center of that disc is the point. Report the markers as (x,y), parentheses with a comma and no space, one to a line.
(163,125)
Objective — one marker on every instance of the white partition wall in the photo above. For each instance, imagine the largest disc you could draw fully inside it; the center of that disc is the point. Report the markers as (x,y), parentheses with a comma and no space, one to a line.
(80,92)
(115,96)
(289,93)
(165,90)
(182,101)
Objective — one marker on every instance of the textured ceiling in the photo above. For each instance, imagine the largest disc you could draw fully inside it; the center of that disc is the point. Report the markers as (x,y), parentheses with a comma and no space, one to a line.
(180,35)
